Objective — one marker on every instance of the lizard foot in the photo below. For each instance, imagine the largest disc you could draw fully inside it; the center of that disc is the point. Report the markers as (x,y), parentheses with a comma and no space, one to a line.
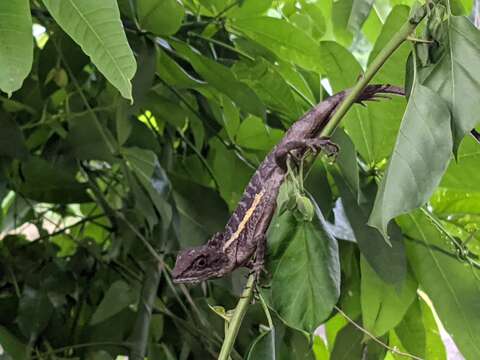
(323,144)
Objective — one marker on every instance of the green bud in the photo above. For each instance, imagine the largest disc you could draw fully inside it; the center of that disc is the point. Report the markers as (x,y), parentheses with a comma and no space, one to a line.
(304,207)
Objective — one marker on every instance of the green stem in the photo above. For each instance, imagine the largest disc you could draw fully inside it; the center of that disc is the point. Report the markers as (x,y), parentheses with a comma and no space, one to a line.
(236,321)
(376,64)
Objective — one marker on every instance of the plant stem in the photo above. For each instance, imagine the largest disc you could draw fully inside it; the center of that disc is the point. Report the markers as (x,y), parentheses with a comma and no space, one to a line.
(376,64)
(237,318)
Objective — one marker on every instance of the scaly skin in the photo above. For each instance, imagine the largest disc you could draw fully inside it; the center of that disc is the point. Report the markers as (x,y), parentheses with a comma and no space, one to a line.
(244,234)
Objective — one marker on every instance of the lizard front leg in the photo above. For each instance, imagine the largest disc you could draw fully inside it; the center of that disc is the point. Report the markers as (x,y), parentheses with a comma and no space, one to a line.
(314,144)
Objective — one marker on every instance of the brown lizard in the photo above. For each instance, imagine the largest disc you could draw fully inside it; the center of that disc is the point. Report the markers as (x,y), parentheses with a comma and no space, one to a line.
(243,239)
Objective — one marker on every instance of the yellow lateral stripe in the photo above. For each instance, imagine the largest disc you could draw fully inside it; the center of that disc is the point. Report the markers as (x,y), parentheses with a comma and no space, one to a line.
(248,215)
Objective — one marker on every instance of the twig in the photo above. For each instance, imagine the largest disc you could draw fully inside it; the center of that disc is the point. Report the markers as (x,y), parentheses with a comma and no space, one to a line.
(377,340)
(236,321)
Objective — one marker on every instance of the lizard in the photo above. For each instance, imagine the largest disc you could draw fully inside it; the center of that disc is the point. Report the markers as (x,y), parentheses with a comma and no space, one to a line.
(243,239)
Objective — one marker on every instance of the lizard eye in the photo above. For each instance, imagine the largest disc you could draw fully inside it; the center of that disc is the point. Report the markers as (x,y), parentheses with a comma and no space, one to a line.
(201,262)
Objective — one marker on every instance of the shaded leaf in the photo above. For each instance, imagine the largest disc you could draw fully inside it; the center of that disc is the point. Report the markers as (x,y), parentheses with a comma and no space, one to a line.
(284,39)
(97,28)
(12,142)
(161,17)
(254,134)
(223,79)
(16,42)
(43,181)
(458,65)
(34,312)
(12,347)
(420,157)
(384,305)
(305,269)
(389,262)
(116,298)
(348,344)
(438,271)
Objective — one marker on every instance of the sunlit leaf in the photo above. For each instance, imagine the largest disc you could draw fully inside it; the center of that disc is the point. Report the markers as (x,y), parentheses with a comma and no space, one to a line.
(97,28)
(16,42)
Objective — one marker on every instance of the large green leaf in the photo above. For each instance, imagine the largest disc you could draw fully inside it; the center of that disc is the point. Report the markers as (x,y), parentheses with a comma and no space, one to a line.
(383,304)
(358,15)
(34,312)
(12,142)
(462,174)
(348,344)
(455,76)
(388,261)
(223,79)
(47,182)
(393,71)
(340,65)
(12,347)
(116,298)
(419,334)
(16,42)
(97,28)
(305,268)
(284,39)
(373,128)
(421,155)
(270,86)
(254,134)
(452,285)
(162,17)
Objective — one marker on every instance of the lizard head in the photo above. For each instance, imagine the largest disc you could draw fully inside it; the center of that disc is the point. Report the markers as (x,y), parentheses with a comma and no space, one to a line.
(201,263)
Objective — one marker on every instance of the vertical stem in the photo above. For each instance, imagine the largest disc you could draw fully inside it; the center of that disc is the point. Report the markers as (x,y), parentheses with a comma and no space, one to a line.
(140,333)
(376,64)
(237,318)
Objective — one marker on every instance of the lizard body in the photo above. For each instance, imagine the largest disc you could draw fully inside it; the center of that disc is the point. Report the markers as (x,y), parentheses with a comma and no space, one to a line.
(244,233)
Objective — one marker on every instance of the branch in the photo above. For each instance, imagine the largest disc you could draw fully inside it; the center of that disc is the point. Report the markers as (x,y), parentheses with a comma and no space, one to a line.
(376,64)
(236,320)
(330,126)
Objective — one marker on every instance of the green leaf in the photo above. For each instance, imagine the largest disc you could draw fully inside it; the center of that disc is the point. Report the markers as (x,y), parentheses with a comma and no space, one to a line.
(373,128)
(284,39)
(420,157)
(249,8)
(348,344)
(151,175)
(270,86)
(201,212)
(340,65)
(462,175)
(347,160)
(393,71)
(34,313)
(419,334)
(223,79)
(461,7)
(116,298)
(254,134)
(16,42)
(13,348)
(389,262)
(226,162)
(263,347)
(12,142)
(161,17)
(46,182)
(305,268)
(452,285)
(383,304)
(340,15)
(458,65)
(359,13)
(97,28)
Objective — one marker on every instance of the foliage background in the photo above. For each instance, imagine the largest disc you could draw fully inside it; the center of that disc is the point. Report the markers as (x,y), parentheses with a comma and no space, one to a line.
(129,129)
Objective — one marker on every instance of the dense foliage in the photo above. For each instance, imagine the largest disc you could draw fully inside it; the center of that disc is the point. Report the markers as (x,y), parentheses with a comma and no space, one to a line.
(129,129)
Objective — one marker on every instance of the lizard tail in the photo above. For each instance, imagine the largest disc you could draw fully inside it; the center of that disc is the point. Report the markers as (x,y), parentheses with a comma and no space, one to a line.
(378,91)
